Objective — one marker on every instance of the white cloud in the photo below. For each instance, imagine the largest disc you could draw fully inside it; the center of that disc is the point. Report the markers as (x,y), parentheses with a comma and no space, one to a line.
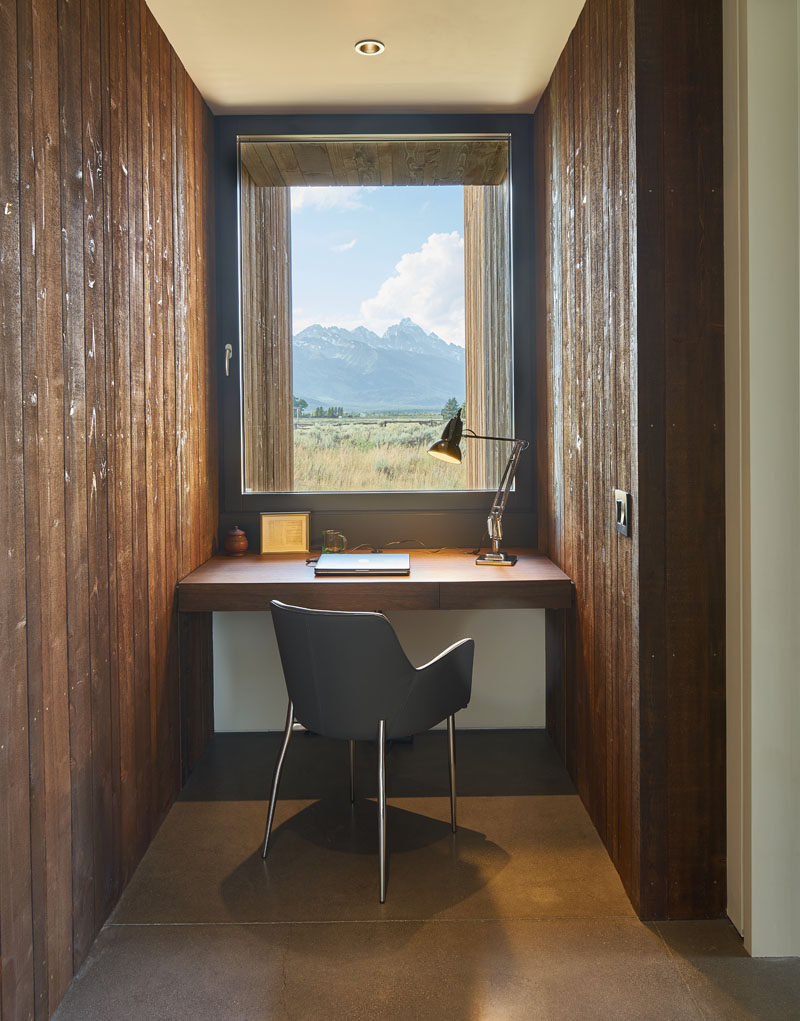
(328,198)
(427,286)
(344,247)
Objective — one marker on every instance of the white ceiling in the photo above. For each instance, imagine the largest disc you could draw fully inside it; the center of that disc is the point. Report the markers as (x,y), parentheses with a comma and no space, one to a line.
(260,56)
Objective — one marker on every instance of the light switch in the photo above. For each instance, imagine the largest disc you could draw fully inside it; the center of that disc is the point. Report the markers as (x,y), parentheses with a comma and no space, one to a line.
(622,510)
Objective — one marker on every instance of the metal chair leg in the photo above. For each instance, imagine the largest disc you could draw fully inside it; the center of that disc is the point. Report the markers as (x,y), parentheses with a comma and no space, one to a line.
(382,806)
(451,751)
(352,771)
(276,776)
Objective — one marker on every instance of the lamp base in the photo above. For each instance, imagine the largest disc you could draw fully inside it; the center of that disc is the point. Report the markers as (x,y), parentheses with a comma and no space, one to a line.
(499,559)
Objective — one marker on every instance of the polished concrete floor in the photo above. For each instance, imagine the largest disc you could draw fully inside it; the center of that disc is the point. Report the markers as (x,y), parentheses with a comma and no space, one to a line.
(519,915)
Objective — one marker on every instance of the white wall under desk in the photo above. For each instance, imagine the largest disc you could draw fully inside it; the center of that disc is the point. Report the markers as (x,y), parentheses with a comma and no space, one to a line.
(508,687)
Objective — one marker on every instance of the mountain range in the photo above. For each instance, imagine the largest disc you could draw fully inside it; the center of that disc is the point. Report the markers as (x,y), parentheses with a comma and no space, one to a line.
(405,369)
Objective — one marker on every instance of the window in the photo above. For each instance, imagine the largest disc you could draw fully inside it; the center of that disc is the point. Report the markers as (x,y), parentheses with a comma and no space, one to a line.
(283,405)
(406,241)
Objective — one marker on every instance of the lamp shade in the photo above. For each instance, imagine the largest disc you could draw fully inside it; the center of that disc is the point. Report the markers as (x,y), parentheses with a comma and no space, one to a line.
(447,448)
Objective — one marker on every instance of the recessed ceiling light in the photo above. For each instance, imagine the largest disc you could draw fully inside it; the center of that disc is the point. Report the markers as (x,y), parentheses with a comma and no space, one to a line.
(369,47)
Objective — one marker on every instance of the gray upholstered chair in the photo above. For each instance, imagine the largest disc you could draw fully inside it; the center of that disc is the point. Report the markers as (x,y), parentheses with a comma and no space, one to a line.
(348,677)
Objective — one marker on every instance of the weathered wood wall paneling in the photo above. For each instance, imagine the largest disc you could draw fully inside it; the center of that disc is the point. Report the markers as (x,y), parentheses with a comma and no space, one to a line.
(487,305)
(629,261)
(266,337)
(104,390)
(403,162)
(681,44)
(16,934)
(75,469)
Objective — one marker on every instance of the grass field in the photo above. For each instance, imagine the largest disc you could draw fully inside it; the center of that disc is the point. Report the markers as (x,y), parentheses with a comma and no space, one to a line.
(370,454)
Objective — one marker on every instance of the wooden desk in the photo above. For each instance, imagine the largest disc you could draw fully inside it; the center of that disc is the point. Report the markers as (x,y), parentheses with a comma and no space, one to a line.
(450,580)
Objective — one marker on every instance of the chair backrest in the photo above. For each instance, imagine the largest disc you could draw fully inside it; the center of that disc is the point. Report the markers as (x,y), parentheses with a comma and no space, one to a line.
(344,671)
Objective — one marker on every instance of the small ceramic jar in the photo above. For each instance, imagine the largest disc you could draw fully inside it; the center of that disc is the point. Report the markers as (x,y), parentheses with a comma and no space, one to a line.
(236,542)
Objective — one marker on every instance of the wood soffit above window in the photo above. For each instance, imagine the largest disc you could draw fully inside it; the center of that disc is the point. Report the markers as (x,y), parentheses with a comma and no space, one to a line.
(463,161)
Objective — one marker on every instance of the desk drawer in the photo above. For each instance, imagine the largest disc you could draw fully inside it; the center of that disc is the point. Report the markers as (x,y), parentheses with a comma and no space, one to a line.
(320,594)
(506,595)
(328,594)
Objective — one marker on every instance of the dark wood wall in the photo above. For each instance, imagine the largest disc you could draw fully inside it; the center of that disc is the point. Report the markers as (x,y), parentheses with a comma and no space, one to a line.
(630,389)
(109,490)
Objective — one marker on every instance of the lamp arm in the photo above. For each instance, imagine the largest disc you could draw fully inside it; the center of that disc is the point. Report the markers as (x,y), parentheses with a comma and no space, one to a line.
(504,489)
(480,436)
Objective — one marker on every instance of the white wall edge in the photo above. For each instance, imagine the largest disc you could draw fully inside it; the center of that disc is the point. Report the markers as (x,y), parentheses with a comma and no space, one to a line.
(736,565)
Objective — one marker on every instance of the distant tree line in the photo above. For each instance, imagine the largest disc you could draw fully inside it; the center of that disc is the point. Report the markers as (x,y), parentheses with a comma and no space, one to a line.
(300,404)
(451,408)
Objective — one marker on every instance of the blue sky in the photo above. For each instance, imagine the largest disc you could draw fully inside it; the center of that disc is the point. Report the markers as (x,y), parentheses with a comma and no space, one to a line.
(369,256)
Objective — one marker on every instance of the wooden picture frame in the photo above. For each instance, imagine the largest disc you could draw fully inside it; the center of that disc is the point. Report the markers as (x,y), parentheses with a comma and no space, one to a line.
(287,532)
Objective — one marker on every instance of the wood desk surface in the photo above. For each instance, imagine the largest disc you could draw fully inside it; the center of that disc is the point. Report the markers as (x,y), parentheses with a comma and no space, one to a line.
(450,580)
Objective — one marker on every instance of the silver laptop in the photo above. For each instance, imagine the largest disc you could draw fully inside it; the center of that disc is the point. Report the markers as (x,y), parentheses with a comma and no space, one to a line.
(363,563)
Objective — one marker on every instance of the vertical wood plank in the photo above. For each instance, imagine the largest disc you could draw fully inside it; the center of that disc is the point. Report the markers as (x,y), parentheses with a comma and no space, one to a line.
(27,200)
(103,802)
(565,344)
(16,933)
(208,492)
(605,447)
(593,722)
(545,470)
(487,331)
(75,472)
(118,654)
(45,527)
(651,518)
(192,461)
(551,233)
(603,453)
(142,624)
(266,337)
(120,334)
(623,304)
(152,352)
(181,305)
(695,677)
(168,740)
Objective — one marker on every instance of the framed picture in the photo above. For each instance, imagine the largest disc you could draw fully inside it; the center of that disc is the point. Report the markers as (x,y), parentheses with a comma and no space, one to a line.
(285,533)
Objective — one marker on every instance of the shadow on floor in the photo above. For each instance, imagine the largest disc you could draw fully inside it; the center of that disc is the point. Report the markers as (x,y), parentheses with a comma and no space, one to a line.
(238,767)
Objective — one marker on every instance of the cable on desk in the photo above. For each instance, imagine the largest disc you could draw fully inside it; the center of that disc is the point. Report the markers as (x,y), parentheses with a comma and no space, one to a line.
(438,549)
(399,542)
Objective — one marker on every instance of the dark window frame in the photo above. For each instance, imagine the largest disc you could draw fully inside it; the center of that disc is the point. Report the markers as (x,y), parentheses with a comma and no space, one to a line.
(452,518)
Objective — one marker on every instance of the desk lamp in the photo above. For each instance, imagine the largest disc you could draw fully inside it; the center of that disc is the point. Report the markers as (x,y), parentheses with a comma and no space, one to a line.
(448,449)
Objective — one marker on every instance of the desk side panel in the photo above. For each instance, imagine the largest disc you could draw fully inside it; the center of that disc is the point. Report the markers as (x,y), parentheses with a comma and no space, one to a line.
(197,687)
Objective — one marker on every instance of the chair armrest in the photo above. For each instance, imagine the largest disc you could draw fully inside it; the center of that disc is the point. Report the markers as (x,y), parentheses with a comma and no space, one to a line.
(438,689)
(445,653)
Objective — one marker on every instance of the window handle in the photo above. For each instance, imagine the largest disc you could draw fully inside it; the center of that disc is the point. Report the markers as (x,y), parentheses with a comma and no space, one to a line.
(228,356)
